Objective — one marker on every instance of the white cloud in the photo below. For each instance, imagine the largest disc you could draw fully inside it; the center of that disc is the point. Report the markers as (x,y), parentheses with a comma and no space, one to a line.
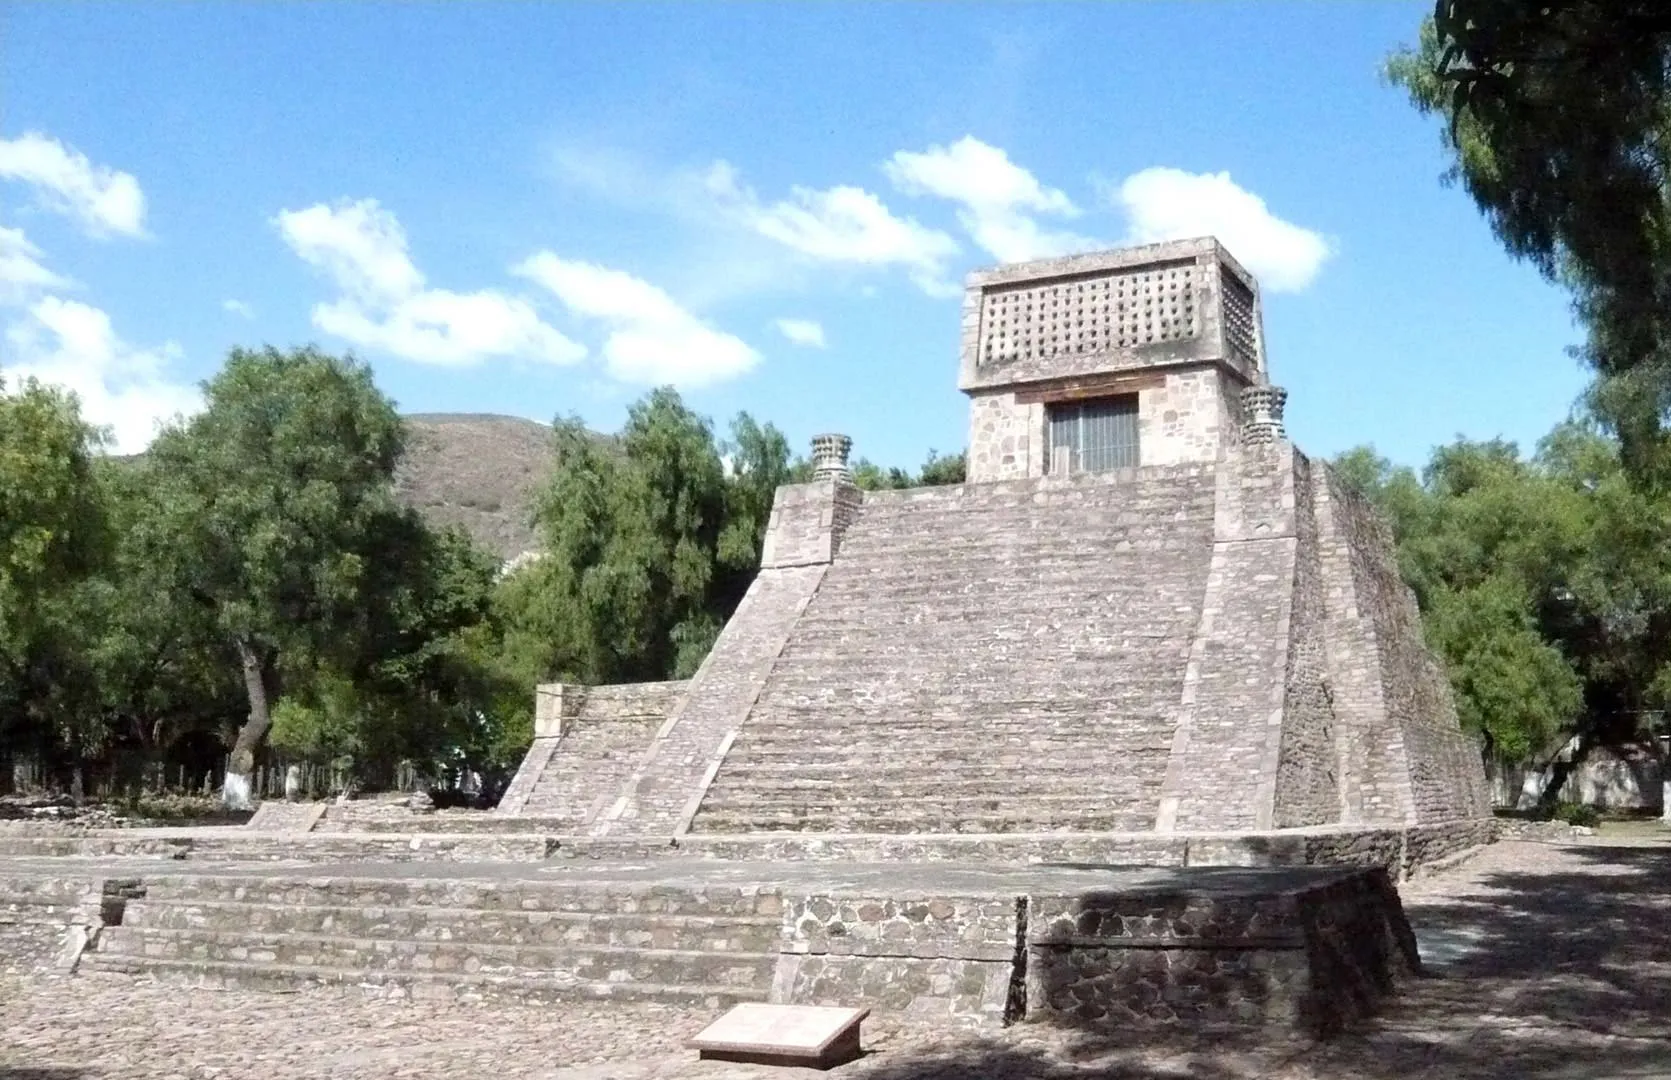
(802,332)
(101,199)
(841,224)
(237,307)
(996,198)
(21,271)
(1170,204)
(123,388)
(387,306)
(652,339)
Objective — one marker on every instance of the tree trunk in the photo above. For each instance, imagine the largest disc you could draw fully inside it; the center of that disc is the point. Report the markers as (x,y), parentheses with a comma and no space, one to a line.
(235,791)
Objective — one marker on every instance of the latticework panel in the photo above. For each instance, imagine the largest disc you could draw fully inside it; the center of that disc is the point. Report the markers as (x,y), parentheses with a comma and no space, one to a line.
(1239,336)
(1088,315)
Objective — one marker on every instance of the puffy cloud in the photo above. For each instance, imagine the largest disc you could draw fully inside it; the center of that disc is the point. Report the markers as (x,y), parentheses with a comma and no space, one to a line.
(103,200)
(387,305)
(652,339)
(122,388)
(996,198)
(802,332)
(841,224)
(1170,204)
(238,308)
(21,272)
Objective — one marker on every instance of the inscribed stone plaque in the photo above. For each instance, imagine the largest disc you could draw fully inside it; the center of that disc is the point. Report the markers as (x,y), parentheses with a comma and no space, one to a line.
(817,1035)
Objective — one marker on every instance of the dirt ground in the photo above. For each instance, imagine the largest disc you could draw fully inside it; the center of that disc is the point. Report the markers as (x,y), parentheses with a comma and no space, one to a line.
(1545,963)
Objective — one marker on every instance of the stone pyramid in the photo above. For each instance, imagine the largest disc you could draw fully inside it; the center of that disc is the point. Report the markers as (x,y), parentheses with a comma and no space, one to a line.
(1145,613)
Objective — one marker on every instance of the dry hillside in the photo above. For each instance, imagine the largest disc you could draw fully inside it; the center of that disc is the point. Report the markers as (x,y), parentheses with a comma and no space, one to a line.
(478,471)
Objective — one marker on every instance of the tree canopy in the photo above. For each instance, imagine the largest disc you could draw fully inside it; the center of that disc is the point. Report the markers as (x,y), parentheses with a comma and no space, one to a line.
(253,581)
(1544,582)
(1558,119)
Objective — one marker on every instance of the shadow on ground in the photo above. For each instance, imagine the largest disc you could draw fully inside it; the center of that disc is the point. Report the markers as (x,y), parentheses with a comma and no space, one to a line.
(1540,975)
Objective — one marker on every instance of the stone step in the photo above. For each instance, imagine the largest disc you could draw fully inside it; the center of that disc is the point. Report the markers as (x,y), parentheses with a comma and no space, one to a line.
(874,741)
(924,683)
(1071,720)
(858,776)
(745,764)
(920,816)
(1131,501)
(941,798)
(1022,584)
(746,933)
(525,987)
(481,896)
(574,963)
(987,549)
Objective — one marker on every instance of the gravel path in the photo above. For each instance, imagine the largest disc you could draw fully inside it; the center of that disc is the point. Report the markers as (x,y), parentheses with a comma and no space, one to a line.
(1547,963)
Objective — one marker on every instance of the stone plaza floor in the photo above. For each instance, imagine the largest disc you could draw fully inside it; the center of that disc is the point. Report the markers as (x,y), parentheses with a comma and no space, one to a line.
(1545,963)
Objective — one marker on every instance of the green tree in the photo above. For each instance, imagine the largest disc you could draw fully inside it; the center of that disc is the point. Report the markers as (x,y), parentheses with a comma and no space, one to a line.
(410,690)
(52,524)
(625,591)
(54,535)
(1558,119)
(275,498)
(1487,542)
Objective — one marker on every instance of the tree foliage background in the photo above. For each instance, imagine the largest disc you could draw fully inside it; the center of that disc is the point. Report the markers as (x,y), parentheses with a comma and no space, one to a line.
(252,585)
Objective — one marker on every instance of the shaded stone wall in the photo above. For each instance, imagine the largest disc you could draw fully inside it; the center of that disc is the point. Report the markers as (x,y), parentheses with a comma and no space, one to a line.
(1312,959)
(1408,759)
(1307,779)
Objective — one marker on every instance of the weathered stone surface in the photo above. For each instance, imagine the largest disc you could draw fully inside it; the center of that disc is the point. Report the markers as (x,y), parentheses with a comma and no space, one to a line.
(588,740)
(815,1036)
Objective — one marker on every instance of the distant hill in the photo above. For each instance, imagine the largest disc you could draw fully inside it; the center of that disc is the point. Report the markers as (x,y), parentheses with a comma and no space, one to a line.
(478,471)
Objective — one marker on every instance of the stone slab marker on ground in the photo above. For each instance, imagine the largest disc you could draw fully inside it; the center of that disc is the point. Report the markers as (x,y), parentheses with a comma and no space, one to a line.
(815,1036)
(271,815)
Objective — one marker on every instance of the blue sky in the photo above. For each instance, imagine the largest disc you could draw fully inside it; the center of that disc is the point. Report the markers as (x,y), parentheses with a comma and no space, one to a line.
(542,209)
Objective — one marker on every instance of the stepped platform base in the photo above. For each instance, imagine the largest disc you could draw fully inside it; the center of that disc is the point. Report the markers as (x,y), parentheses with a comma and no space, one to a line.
(1399,851)
(1075,944)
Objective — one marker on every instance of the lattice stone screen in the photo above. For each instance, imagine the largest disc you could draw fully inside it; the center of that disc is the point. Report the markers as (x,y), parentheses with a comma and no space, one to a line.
(1091,314)
(1239,337)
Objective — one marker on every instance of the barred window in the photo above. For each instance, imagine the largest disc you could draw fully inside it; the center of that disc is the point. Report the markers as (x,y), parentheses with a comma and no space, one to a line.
(1092,436)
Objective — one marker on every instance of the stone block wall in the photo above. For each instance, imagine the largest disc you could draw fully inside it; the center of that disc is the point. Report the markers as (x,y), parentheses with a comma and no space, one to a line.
(1308,774)
(1404,758)
(1312,959)
(943,957)
(1192,416)
(1189,414)
(1006,438)
(587,741)
(808,522)
(1222,772)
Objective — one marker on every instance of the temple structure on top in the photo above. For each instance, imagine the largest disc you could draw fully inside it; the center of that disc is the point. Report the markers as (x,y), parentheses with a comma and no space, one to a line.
(1145,620)
(1109,360)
